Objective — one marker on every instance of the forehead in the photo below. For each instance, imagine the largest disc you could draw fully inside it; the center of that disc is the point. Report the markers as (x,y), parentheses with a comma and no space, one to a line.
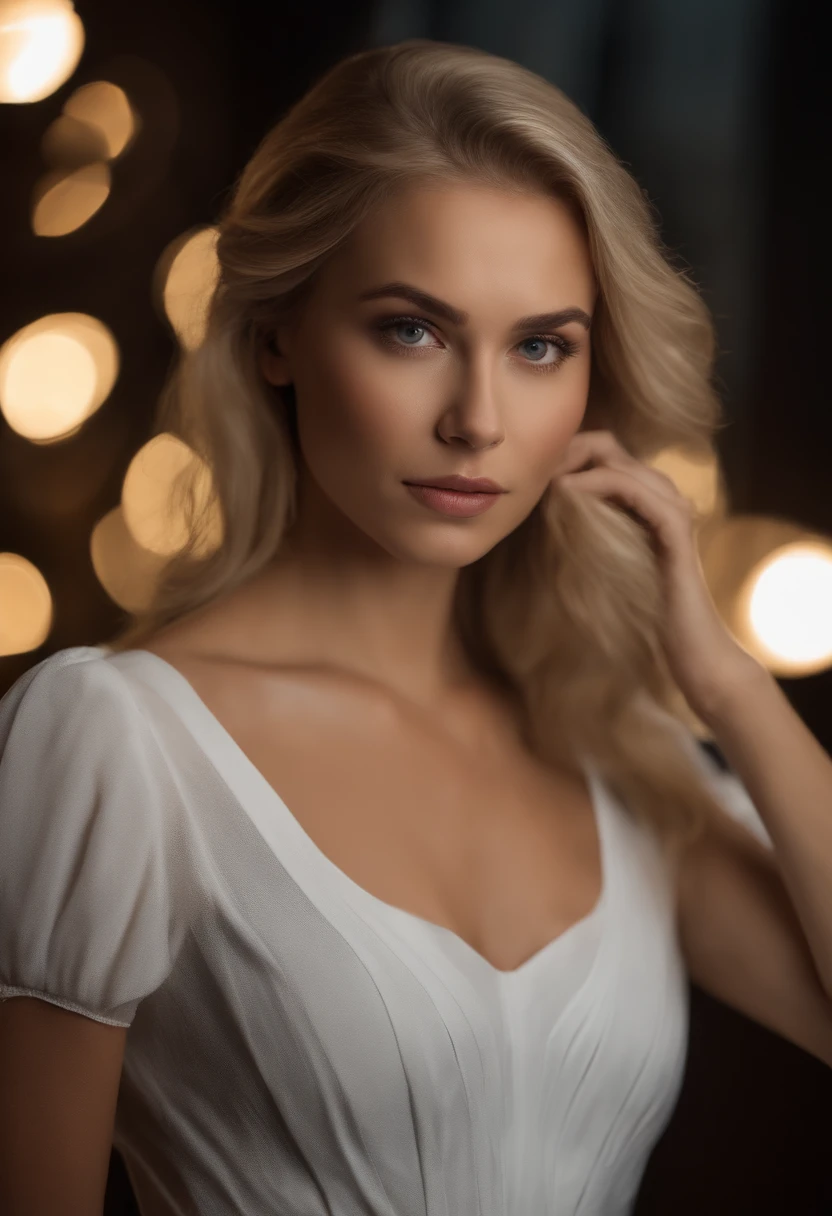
(470,244)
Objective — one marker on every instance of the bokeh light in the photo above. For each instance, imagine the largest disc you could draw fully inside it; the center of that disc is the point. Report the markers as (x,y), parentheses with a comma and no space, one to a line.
(25,605)
(55,373)
(96,125)
(186,275)
(738,550)
(126,571)
(152,497)
(788,604)
(65,201)
(40,44)
(69,144)
(104,108)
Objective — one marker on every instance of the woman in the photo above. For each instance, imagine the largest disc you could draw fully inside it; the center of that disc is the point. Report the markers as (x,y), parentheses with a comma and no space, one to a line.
(378,832)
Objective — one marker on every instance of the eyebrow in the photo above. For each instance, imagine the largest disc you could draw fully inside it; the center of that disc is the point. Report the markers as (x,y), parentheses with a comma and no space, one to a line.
(422,299)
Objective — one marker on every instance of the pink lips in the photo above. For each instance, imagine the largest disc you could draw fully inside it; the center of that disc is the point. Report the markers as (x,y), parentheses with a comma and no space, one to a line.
(456,481)
(455,495)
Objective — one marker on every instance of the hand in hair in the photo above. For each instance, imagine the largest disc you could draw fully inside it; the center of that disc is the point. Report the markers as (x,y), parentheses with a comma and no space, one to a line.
(704,657)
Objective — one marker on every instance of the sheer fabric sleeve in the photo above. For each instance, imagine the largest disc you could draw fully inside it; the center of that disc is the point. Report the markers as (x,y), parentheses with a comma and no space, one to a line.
(94,891)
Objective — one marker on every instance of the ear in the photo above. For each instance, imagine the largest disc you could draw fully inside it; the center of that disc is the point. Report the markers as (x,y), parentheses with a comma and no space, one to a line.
(273,363)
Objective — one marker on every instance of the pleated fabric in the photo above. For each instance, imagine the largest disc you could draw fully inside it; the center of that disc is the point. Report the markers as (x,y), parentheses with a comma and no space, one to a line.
(297,1045)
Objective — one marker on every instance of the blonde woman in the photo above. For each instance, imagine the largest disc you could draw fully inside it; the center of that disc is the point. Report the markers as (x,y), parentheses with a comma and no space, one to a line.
(366,872)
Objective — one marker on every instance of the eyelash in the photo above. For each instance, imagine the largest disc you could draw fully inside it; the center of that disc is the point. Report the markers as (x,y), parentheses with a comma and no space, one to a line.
(566,347)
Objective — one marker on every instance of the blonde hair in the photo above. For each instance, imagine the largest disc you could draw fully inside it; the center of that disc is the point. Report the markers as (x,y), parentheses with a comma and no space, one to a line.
(564,613)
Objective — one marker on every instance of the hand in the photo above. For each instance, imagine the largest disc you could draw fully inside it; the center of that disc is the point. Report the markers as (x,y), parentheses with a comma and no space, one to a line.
(704,658)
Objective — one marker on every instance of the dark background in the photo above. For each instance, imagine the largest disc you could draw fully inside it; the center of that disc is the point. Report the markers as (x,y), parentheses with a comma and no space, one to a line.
(722,112)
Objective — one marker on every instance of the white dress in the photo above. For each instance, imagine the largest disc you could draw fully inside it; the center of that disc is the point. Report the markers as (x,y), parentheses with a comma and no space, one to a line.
(297,1045)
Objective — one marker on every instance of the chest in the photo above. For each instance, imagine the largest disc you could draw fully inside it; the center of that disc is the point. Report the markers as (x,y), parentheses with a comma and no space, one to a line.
(448,818)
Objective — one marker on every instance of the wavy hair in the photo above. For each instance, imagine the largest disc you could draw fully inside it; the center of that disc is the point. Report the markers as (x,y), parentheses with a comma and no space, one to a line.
(564,613)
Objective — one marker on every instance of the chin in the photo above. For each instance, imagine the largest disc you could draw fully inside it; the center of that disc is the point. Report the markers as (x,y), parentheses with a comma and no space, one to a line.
(451,552)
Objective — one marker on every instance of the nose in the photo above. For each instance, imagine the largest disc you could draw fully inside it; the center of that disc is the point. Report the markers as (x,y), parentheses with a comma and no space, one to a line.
(473,416)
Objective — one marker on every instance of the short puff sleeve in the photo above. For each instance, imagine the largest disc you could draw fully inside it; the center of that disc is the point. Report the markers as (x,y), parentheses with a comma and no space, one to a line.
(94,889)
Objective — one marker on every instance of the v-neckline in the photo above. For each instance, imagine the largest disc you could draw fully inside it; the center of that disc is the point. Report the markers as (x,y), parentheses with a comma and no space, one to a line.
(221,743)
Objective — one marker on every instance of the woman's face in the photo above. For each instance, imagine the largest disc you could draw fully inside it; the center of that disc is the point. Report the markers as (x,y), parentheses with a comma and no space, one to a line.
(390,390)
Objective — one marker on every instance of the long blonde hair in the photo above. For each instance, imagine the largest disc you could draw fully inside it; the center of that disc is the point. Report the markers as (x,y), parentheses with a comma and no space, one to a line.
(563,613)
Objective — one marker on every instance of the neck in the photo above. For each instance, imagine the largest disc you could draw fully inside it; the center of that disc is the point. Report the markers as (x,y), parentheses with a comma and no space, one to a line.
(386,620)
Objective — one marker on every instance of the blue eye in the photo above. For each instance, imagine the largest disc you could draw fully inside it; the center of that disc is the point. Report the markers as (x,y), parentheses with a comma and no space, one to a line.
(388,327)
(405,325)
(526,342)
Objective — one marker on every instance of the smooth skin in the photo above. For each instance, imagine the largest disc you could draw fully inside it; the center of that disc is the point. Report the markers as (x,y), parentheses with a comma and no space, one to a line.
(343,648)
(59,1078)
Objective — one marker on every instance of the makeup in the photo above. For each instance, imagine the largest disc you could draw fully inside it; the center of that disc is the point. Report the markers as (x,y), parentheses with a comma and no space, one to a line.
(453,502)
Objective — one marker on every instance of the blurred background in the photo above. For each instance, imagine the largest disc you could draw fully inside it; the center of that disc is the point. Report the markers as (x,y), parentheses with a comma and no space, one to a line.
(123,127)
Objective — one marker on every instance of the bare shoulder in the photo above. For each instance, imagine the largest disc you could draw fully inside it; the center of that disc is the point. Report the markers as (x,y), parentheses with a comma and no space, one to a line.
(256,672)
(243,682)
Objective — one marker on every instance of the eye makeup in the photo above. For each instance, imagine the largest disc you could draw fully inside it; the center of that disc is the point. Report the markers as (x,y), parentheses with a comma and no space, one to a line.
(388,325)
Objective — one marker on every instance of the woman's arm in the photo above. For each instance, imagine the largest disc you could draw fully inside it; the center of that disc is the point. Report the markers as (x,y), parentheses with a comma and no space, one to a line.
(756,923)
(59,1078)
(58,1085)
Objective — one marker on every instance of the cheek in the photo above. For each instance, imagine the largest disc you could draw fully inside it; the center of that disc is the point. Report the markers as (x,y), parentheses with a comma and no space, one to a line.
(550,428)
(347,407)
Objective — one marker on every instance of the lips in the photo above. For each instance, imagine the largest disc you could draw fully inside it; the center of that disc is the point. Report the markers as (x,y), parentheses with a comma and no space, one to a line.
(453,501)
(462,485)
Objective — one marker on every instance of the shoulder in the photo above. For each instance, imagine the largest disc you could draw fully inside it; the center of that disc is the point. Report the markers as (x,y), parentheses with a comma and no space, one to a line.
(68,686)
(83,772)
(97,885)
(74,735)
(243,687)
(83,697)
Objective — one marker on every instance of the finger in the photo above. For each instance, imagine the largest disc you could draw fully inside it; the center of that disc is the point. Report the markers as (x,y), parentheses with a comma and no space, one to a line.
(587,444)
(598,446)
(670,519)
(604,446)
